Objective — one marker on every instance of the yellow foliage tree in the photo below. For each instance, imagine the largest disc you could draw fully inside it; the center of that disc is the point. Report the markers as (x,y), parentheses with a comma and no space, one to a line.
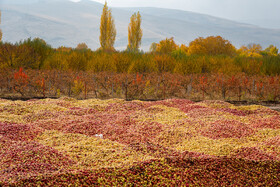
(212,45)
(184,48)
(252,50)
(167,46)
(153,47)
(107,30)
(272,50)
(135,32)
(82,46)
(164,63)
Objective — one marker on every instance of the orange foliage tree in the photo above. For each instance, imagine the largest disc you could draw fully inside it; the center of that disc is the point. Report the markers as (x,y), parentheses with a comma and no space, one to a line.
(166,46)
(212,45)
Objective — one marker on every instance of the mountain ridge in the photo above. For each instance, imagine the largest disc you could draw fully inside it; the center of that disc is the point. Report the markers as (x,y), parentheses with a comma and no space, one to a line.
(66,23)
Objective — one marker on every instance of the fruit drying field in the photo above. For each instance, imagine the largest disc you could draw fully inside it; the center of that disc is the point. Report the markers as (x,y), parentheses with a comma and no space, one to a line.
(115,142)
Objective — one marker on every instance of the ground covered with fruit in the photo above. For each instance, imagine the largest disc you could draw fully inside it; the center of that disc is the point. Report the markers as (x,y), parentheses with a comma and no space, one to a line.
(172,142)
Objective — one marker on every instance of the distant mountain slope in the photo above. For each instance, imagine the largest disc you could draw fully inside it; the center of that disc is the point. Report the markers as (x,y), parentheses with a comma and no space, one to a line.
(65,23)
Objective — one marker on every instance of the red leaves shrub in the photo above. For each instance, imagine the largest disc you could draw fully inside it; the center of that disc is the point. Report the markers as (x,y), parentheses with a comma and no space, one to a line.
(21,81)
(253,153)
(227,129)
(19,132)
(21,76)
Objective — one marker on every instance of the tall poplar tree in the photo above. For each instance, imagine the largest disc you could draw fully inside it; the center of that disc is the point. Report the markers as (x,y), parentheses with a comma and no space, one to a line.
(107,30)
(135,32)
(0,29)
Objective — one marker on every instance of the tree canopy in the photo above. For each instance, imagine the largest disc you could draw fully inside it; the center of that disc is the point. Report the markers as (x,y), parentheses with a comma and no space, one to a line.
(166,46)
(212,45)
(107,30)
(135,32)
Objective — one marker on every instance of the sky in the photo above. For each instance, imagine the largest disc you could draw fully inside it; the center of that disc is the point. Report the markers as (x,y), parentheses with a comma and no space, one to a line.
(255,11)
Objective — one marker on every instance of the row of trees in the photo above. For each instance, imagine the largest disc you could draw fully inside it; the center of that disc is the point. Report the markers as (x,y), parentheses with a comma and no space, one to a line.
(167,57)
(213,45)
(54,83)
(108,31)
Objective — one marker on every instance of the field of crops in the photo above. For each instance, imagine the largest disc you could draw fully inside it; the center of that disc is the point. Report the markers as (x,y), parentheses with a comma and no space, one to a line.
(113,142)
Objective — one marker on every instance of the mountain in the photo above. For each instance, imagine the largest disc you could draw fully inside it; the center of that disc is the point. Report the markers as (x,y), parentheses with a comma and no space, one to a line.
(66,23)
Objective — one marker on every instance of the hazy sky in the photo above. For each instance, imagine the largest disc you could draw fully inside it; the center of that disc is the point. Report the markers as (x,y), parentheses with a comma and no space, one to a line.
(230,9)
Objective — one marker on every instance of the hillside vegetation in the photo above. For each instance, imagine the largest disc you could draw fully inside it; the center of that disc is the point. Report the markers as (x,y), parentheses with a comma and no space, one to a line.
(209,68)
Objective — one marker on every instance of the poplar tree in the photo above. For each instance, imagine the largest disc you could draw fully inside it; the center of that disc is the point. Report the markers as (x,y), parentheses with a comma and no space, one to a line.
(135,32)
(107,30)
(0,29)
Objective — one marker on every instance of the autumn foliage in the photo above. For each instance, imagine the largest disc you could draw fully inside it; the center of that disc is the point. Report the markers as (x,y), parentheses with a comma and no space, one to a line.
(98,132)
(169,71)
(166,46)
(107,30)
(211,46)
(135,32)
(144,86)
(21,81)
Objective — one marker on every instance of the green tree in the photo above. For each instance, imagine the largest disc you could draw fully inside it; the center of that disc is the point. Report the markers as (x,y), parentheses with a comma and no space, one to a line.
(107,30)
(40,50)
(135,32)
